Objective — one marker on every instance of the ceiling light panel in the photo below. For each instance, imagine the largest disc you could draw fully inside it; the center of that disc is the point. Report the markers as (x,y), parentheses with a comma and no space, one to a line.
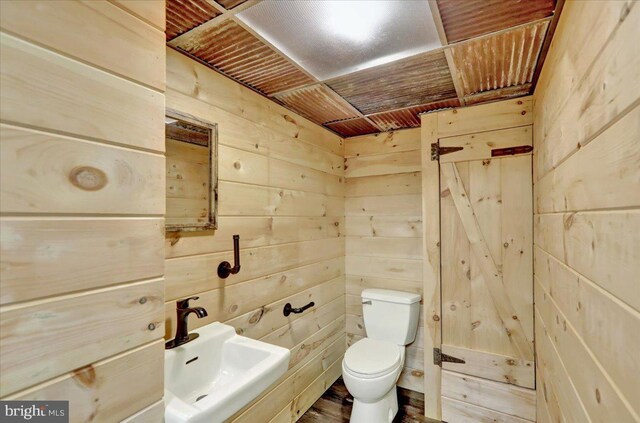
(332,38)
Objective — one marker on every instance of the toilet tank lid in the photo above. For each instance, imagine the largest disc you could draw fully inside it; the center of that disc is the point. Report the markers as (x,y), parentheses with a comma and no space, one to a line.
(390,296)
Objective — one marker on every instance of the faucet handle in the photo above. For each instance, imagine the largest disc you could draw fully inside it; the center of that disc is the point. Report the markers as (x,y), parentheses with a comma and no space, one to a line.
(185,303)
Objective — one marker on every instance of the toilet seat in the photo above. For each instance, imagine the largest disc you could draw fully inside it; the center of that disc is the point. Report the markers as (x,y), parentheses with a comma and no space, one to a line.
(370,358)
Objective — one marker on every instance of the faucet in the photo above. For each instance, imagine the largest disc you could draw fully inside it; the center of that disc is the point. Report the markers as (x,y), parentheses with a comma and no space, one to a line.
(182,332)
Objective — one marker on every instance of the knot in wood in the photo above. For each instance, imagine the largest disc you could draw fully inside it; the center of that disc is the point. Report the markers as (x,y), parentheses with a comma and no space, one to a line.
(88,178)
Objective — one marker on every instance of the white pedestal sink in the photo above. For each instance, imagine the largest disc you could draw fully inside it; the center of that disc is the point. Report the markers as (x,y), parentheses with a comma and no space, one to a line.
(215,375)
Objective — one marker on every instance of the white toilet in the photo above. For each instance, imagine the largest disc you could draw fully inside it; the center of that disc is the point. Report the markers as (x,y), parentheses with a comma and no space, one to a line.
(371,366)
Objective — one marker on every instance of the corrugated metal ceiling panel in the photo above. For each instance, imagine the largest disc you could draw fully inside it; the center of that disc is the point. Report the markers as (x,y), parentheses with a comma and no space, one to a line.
(353,127)
(464,19)
(499,94)
(234,51)
(409,118)
(416,80)
(489,67)
(502,60)
(183,15)
(230,4)
(318,103)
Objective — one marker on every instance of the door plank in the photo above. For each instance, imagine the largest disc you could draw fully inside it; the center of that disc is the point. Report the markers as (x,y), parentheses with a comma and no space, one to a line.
(478,146)
(502,397)
(485,117)
(517,236)
(492,277)
(457,328)
(486,330)
(462,412)
(500,368)
(431,265)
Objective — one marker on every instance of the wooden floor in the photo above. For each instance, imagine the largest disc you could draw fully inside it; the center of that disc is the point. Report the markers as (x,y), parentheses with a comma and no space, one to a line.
(335,406)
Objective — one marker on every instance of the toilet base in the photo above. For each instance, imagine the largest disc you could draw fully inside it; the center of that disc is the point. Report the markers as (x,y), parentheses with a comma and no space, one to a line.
(382,411)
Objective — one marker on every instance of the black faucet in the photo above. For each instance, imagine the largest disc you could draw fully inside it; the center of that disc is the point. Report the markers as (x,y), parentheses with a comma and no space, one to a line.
(182,332)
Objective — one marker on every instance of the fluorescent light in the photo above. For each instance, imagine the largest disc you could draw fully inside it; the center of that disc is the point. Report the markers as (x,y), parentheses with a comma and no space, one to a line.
(354,20)
(330,38)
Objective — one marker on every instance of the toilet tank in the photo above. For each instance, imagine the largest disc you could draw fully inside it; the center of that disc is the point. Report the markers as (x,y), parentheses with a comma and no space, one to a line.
(391,316)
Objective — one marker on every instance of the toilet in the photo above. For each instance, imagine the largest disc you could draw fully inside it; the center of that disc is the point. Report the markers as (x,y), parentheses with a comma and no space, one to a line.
(371,367)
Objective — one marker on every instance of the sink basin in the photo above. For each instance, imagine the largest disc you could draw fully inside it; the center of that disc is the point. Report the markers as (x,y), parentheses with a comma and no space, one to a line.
(218,373)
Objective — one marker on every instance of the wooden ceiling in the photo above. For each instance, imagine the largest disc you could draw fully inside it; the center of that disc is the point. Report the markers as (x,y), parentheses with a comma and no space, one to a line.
(493,50)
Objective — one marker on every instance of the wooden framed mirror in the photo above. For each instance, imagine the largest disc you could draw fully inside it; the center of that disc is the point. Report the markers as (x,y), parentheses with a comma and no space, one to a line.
(191,173)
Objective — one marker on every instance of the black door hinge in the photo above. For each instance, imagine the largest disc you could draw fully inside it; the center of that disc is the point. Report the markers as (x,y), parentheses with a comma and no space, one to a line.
(439,357)
(437,151)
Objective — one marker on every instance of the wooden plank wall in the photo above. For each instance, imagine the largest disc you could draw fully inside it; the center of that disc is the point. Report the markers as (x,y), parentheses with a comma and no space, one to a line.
(82,206)
(587,216)
(383,227)
(281,189)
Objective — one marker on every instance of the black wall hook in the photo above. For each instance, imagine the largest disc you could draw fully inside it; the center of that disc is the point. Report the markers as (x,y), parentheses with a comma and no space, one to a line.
(288,308)
(224,268)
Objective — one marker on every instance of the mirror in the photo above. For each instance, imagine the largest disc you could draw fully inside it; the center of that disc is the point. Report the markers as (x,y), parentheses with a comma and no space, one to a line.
(192,173)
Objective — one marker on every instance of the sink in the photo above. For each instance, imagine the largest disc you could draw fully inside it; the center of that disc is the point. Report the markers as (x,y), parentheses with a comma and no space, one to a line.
(212,377)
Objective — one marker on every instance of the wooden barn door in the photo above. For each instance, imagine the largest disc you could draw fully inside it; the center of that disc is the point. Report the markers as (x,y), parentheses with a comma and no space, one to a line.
(486,276)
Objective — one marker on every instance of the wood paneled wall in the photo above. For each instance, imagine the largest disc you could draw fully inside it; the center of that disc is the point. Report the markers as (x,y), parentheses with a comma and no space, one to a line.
(82,205)
(587,216)
(282,190)
(383,227)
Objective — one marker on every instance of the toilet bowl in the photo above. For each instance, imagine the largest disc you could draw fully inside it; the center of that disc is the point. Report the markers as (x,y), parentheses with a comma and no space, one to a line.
(370,371)
(371,367)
